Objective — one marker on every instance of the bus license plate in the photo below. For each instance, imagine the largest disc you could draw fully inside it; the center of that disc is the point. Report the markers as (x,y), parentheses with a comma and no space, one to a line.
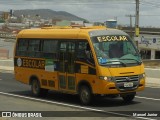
(128,84)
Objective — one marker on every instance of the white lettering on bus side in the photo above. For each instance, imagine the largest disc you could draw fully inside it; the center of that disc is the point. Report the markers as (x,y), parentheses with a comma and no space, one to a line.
(33,63)
(111,38)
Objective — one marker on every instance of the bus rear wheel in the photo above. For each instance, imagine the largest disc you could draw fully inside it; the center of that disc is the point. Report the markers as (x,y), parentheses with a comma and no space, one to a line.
(36,89)
(85,95)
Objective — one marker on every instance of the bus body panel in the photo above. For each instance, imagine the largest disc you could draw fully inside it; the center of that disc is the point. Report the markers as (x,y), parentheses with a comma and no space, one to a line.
(84,72)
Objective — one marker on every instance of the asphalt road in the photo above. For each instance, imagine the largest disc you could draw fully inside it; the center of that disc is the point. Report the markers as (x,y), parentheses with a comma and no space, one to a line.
(17,96)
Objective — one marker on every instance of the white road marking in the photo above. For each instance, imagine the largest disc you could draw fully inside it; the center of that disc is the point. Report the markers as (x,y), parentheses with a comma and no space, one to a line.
(145,118)
(75,106)
(148,98)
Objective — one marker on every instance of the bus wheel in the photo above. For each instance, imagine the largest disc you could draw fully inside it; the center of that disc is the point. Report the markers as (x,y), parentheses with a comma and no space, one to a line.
(85,95)
(37,90)
(128,98)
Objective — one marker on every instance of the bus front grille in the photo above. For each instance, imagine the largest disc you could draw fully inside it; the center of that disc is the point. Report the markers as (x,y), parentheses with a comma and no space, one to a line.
(127,83)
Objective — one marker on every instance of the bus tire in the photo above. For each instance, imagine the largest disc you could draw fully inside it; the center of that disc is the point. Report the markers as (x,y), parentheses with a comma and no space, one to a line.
(36,89)
(128,98)
(85,95)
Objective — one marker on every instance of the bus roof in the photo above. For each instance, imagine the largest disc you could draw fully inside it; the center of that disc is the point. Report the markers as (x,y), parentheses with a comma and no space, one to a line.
(68,32)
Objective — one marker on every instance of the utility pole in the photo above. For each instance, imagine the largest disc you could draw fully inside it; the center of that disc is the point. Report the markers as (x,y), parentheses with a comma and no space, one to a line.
(131,31)
(137,19)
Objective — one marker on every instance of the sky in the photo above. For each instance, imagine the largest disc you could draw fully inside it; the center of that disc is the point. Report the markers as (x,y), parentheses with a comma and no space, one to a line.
(95,10)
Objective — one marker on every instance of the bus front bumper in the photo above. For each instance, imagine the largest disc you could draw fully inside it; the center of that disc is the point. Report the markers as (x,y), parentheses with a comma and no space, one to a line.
(113,88)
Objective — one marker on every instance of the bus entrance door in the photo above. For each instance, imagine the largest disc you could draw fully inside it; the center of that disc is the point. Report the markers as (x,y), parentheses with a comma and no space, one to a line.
(67,66)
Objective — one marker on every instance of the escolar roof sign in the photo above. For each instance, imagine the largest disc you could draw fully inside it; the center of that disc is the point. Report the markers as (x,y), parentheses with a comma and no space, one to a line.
(112,38)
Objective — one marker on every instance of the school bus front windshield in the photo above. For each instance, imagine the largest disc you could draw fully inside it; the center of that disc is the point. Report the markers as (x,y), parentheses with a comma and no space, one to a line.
(115,50)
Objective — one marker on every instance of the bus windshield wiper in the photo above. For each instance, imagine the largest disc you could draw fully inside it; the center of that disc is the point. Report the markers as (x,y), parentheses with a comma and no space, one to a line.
(106,63)
(139,62)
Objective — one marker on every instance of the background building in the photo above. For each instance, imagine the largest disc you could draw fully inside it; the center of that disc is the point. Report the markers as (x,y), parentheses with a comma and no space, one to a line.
(148,42)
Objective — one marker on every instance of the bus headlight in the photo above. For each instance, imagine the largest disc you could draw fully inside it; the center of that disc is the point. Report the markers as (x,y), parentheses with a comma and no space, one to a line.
(107,78)
(142,76)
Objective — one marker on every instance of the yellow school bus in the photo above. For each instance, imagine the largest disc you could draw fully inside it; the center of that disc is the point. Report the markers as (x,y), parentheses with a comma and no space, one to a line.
(85,61)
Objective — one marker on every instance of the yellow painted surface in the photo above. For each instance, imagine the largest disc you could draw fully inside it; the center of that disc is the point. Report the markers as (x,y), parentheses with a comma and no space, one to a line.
(98,86)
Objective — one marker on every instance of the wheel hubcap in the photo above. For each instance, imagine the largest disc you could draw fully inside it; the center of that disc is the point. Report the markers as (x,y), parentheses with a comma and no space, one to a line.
(85,96)
(35,87)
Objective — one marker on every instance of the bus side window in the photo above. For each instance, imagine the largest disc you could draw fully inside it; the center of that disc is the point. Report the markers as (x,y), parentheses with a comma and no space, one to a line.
(21,49)
(50,49)
(81,50)
(88,51)
(84,52)
(33,48)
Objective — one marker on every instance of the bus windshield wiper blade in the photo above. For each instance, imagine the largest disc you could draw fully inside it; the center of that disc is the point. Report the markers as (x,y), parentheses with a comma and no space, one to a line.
(122,63)
(114,61)
(139,62)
